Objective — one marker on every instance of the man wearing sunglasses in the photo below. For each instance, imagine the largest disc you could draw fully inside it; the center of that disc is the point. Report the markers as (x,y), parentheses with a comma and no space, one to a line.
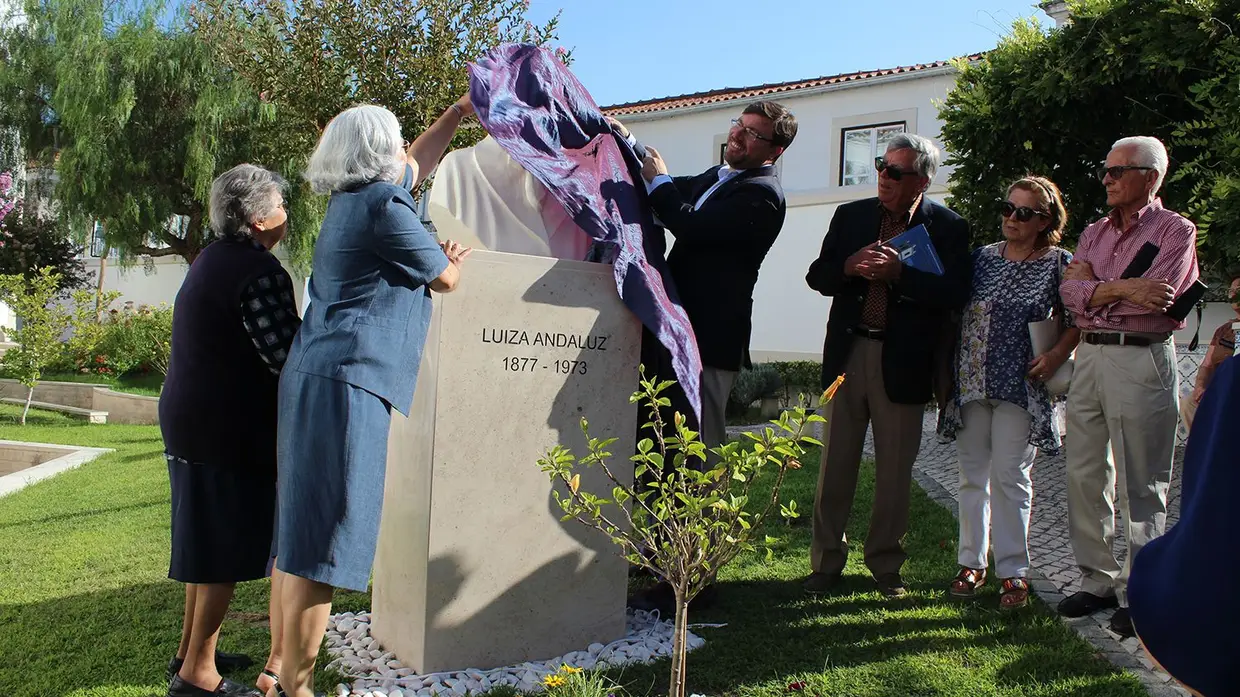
(886,323)
(1124,385)
(724,222)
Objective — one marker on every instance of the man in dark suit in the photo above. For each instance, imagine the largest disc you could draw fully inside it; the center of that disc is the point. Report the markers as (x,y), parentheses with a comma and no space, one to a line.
(724,222)
(885,325)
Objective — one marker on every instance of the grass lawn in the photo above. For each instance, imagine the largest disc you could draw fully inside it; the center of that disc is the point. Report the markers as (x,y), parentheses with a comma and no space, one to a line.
(86,608)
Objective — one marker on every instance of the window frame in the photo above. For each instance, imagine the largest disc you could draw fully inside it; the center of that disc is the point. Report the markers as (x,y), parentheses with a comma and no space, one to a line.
(873,128)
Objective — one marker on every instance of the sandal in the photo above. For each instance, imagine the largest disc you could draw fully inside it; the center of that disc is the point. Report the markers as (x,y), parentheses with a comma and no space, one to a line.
(967,582)
(1015,593)
(275,679)
(280,690)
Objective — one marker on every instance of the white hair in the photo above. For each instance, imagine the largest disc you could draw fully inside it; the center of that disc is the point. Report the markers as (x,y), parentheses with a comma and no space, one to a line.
(243,195)
(928,154)
(1150,152)
(362,144)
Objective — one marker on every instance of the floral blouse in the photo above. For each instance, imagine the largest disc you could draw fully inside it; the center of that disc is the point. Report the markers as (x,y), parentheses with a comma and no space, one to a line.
(994,349)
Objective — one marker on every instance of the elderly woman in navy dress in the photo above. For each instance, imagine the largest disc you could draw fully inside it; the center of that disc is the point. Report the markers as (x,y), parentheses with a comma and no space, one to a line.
(235,320)
(1001,413)
(355,358)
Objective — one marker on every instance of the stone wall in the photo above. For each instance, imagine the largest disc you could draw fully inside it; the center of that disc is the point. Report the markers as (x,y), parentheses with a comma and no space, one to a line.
(122,408)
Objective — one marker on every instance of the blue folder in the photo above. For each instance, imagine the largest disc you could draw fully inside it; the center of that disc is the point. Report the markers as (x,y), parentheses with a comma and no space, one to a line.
(916,250)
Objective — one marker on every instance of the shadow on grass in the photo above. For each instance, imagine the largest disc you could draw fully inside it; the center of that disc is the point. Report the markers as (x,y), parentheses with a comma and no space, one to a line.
(94,643)
(855,642)
(62,517)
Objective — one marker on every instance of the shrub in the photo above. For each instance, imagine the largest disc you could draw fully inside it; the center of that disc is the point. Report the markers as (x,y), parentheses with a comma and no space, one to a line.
(116,342)
(753,384)
(798,377)
(42,324)
(134,340)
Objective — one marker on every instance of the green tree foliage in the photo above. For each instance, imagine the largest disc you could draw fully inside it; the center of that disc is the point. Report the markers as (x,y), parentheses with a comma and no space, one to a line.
(29,242)
(311,59)
(131,115)
(1052,103)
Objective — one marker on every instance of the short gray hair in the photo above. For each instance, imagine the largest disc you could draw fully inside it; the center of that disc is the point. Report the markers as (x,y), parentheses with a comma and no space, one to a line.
(241,196)
(362,144)
(1150,153)
(928,154)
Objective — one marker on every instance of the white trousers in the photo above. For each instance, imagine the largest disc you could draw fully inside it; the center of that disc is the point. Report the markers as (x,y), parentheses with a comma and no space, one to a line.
(994,449)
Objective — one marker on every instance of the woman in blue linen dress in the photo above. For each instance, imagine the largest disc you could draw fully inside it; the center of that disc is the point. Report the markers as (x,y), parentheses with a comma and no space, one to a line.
(355,358)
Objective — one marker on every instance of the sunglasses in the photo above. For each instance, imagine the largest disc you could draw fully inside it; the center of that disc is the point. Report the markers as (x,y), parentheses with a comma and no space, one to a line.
(893,172)
(1118,171)
(1023,213)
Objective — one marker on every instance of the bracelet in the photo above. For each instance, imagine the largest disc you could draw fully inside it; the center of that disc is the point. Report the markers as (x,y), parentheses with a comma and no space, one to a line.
(457,109)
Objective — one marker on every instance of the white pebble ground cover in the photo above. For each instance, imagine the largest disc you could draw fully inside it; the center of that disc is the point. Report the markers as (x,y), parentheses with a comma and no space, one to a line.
(374,672)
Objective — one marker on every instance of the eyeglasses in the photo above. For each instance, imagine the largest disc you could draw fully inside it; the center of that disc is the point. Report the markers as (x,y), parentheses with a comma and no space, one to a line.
(1117,171)
(736,123)
(893,172)
(1023,213)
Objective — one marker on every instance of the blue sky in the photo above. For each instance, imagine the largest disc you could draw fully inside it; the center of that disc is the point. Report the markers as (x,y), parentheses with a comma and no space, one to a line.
(659,48)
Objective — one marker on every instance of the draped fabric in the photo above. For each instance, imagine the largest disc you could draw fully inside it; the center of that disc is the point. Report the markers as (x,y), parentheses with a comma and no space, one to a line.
(530,103)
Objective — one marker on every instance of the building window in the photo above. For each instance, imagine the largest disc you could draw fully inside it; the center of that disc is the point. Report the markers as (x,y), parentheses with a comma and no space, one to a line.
(723,151)
(858,148)
(97,244)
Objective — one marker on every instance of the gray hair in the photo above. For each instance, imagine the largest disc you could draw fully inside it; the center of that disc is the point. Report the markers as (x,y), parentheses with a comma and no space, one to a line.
(362,144)
(928,154)
(1150,152)
(241,196)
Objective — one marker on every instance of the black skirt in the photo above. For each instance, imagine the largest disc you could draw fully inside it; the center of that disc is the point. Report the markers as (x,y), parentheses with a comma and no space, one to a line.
(223,522)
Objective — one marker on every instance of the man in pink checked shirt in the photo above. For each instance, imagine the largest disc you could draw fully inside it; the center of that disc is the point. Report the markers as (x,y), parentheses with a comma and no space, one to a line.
(1124,386)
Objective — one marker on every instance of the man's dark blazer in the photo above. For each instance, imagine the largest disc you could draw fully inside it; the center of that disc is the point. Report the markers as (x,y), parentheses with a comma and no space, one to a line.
(919,304)
(718,250)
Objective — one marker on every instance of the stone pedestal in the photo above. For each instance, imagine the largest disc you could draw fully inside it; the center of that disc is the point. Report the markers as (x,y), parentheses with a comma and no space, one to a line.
(475,569)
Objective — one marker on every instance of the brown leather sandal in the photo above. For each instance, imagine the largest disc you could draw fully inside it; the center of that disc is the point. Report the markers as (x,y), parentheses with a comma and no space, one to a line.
(967,582)
(1014,593)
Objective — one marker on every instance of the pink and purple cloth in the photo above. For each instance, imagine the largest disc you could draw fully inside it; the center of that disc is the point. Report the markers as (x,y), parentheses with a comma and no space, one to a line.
(530,103)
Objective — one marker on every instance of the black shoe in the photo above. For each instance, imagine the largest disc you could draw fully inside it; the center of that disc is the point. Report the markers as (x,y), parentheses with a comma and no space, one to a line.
(891,585)
(1081,603)
(1121,623)
(178,687)
(224,662)
(819,582)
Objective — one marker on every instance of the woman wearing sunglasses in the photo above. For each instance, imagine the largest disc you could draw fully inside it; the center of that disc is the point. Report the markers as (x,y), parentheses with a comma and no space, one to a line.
(1000,413)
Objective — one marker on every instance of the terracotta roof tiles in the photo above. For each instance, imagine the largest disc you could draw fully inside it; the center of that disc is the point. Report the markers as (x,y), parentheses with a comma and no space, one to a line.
(728,94)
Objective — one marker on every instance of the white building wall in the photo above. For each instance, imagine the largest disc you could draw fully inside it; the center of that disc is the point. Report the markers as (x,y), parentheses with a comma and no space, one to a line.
(159,280)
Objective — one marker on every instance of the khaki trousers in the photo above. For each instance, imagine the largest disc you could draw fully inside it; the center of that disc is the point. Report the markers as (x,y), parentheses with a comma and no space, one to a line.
(716,387)
(860,402)
(1124,397)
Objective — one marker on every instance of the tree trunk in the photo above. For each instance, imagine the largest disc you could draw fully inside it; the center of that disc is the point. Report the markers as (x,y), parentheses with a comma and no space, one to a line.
(103,267)
(26,410)
(680,633)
